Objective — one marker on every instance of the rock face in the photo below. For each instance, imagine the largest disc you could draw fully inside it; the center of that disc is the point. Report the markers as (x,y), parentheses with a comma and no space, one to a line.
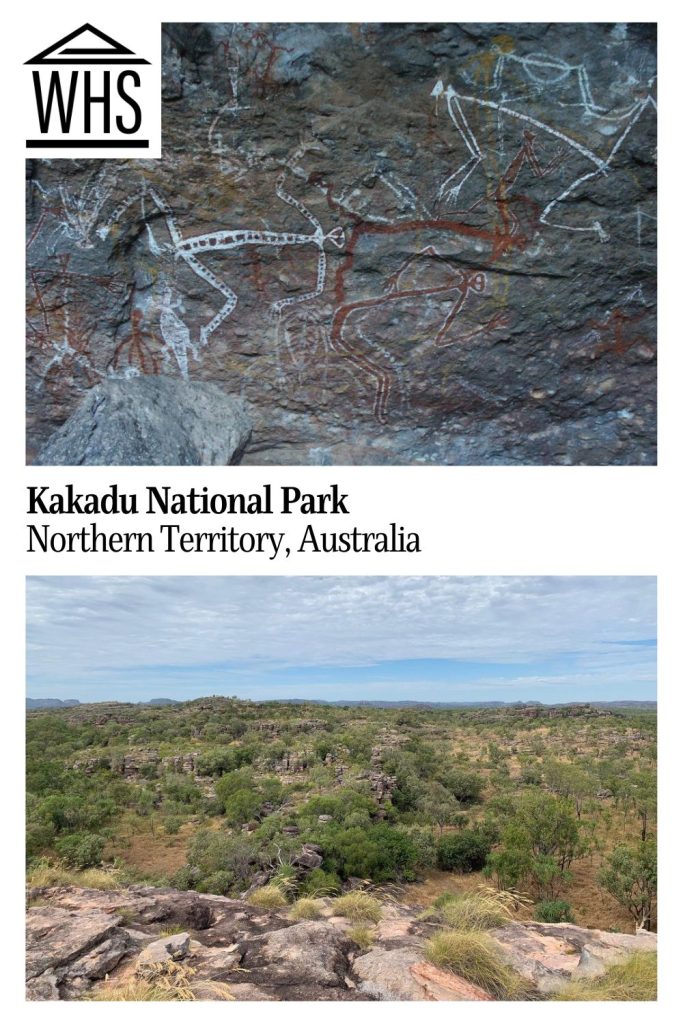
(548,955)
(400,243)
(403,974)
(77,936)
(66,950)
(153,421)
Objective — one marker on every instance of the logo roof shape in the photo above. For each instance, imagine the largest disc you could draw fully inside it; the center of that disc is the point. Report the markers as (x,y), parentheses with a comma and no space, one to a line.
(91,50)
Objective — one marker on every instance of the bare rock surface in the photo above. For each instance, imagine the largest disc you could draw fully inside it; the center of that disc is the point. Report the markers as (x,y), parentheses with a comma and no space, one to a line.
(551,954)
(169,948)
(401,243)
(67,949)
(155,421)
(404,974)
(76,937)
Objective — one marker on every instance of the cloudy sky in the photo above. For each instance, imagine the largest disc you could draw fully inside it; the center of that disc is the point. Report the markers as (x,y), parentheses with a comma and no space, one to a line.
(355,638)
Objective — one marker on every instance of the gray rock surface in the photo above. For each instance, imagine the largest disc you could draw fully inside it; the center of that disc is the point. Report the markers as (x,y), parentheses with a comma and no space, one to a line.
(77,937)
(549,955)
(66,950)
(401,243)
(171,947)
(404,974)
(151,421)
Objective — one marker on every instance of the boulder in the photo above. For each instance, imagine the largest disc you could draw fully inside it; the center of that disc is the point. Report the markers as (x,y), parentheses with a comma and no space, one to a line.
(305,954)
(151,421)
(404,974)
(67,949)
(172,947)
(308,858)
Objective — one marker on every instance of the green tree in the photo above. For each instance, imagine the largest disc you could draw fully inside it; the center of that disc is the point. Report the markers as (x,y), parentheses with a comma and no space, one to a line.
(630,876)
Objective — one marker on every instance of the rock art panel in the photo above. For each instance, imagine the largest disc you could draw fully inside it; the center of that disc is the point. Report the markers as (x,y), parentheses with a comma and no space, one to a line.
(397,243)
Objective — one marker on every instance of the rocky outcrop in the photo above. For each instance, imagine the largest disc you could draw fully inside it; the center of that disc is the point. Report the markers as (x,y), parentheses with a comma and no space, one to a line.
(427,243)
(182,764)
(404,974)
(549,955)
(151,421)
(77,936)
(66,950)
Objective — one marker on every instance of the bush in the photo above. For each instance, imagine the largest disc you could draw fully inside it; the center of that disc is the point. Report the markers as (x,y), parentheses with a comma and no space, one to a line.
(320,883)
(305,909)
(270,897)
(632,980)
(463,851)
(553,912)
(358,907)
(380,853)
(242,806)
(465,786)
(219,884)
(213,852)
(474,957)
(80,850)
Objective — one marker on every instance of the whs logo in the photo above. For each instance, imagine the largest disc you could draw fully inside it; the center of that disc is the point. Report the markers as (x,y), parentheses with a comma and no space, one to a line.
(92,96)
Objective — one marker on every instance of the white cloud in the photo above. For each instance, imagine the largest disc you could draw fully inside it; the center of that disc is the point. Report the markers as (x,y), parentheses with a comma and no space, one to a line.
(80,627)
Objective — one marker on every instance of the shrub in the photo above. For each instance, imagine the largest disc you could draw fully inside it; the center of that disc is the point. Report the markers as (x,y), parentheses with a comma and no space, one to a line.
(553,911)
(474,957)
(362,936)
(466,786)
(270,897)
(242,806)
(81,849)
(320,883)
(380,853)
(211,852)
(305,909)
(633,980)
(463,851)
(220,883)
(358,906)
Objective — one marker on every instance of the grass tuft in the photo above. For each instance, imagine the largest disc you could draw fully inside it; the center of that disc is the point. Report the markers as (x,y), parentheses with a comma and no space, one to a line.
(358,907)
(305,909)
(47,876)
(362,936)
(632,980)
(472,912)
(270,897)
(474,957)
(162,982)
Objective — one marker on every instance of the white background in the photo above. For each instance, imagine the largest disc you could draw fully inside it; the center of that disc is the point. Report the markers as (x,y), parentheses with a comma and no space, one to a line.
(551,520)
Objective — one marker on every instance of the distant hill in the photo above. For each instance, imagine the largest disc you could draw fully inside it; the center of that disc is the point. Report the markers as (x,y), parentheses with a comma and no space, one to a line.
(50,702)
(638,705)
(33,703)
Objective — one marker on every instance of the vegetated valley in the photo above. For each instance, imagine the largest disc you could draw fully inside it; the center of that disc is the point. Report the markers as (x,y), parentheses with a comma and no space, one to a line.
(223,849)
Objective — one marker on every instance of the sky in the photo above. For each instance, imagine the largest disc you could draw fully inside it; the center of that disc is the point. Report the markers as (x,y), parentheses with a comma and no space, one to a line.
(431,638)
